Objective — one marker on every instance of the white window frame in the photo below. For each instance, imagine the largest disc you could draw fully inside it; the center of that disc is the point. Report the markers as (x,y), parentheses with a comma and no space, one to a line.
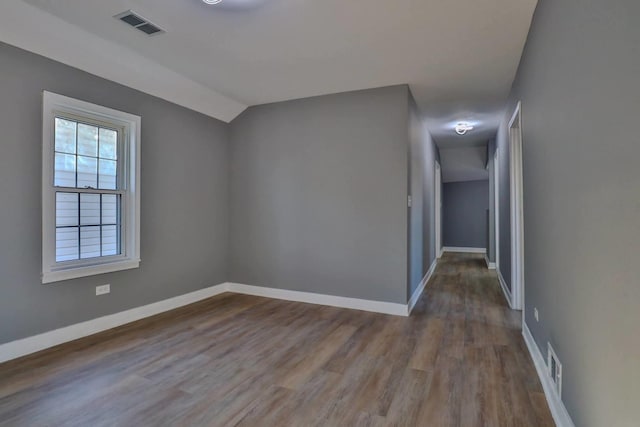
(129,258)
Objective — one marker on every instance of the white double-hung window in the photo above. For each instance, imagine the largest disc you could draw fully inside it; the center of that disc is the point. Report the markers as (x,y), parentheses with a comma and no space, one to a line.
(90,189)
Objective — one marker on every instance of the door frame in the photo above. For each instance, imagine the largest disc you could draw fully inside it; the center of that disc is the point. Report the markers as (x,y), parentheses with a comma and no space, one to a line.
(438,209)
(496,206)
(517,214)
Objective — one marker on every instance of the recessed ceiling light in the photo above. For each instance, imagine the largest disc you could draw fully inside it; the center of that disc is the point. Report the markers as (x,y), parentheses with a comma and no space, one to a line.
(463,127)
(212,1)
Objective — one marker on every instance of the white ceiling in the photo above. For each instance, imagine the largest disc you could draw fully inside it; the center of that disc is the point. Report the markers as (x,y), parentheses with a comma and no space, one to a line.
(37,31)
(463,164)
(459,56)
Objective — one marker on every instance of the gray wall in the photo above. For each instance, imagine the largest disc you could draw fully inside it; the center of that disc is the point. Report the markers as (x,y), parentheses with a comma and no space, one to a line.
(422,157)
(464,221)
(318,198)
(184,200)
(579,86)
(318,195)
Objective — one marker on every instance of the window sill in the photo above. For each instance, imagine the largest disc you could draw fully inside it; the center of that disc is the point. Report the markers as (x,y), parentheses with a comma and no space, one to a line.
(76,272)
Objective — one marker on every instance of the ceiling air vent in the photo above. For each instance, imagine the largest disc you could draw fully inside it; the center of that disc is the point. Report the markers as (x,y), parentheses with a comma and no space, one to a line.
(139,23)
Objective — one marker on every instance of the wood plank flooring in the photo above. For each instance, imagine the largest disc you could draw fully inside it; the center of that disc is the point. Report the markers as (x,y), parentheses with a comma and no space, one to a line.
(236,360)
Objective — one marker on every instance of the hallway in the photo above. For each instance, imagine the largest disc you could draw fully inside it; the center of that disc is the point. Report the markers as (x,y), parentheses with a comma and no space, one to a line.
(491,379)
(459,360)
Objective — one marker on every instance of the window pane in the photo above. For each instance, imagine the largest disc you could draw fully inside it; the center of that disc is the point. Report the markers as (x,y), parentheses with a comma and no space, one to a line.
(89,242)
(87,172)
(110,240)
(87,140)
(67,244)
(65,170)
(109,209)
(65,136)
(89,209)
(66,209)
(108,144)
(107,175)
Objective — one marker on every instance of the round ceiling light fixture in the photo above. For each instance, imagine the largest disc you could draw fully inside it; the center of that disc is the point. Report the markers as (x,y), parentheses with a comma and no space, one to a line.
(463,127)
(212,1)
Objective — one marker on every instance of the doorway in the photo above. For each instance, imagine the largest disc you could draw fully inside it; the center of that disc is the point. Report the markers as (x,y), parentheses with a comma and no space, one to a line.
(517,216)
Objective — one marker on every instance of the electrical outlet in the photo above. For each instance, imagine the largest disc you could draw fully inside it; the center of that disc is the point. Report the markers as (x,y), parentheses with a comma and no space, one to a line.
(104,289)
(535,314)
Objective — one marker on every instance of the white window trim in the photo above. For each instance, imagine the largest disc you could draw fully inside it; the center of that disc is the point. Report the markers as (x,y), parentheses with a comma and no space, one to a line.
(52,271)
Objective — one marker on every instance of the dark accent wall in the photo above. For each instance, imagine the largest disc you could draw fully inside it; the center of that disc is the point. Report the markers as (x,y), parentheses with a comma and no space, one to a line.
(422,158)
(580,91)
(464,220)
(319,195)
(184,196)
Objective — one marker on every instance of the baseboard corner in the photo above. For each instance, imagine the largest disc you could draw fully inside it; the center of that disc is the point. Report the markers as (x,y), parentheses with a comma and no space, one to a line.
(421,287)
(505,289)
(490,265)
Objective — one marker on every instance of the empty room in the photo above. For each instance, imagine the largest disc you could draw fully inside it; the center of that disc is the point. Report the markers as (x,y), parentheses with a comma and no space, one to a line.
(319,213)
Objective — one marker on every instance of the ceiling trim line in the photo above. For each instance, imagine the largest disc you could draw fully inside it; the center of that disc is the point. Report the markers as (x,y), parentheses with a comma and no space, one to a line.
(63,42)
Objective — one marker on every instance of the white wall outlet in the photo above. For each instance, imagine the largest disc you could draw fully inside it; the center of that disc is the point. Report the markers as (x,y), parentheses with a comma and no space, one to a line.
(409,202)
(535,314)
(104,289)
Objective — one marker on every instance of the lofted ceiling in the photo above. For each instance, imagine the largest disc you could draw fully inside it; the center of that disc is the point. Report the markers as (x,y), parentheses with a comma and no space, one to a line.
(458,56)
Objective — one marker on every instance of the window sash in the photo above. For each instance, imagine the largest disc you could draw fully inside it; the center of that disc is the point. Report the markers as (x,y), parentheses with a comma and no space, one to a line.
(121,156)
(75,225)
(120,162)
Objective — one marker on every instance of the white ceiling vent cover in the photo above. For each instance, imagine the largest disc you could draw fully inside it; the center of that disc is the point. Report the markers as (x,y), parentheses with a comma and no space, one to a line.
(138,22)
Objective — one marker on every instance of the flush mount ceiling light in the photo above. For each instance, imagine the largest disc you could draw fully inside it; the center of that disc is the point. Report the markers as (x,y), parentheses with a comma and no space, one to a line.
(212,1)
(463,127)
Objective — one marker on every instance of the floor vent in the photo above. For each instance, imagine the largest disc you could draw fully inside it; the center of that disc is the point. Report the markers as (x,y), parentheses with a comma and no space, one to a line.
(555,369)
(139,23)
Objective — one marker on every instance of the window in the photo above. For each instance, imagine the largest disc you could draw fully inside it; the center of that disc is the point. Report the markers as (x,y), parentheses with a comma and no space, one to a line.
(90,189)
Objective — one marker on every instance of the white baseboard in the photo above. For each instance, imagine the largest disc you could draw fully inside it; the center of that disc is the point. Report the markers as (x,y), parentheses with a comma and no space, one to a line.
(465,250)
(25,346)
(22,347)
(490,265)
(321,299)
(423,284)
(557,408)
(505,289)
